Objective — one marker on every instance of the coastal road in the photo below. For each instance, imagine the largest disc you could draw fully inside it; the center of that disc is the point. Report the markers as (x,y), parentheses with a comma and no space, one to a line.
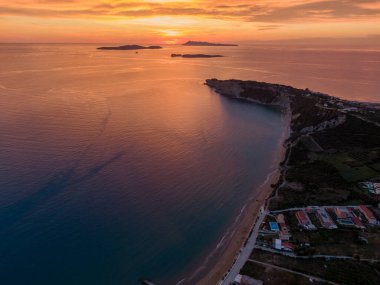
(245,252)
(292,255)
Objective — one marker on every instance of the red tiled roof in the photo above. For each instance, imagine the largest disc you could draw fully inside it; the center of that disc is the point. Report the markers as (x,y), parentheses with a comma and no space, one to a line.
(301,216)
(288,245)
(357,222)
(368,214)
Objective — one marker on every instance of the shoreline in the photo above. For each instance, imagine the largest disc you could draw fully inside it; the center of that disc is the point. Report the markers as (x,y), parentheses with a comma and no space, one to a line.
(314,112)
(248,215)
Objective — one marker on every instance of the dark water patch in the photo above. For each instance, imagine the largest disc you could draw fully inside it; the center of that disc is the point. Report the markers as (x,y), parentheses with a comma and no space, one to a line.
(13,213)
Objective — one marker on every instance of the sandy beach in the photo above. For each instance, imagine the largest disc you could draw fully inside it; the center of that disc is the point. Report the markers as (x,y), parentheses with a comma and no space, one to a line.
(247,218)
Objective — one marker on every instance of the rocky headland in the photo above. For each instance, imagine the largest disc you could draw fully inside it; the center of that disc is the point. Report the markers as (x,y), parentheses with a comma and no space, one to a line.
(196,55)
(311,111)
(196,43)
(130,47)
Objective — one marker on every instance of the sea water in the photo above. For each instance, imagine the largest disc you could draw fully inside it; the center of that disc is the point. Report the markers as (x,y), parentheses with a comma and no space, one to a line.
(120,164)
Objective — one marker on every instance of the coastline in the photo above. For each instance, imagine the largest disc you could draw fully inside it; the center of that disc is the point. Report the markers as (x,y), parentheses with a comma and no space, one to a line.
(305,112)
(249,213)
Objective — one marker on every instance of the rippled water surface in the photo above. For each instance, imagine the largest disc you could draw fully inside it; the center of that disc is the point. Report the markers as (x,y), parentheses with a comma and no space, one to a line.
(117,164)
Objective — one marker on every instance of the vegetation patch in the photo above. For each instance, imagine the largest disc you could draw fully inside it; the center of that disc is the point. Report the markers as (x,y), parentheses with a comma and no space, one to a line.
(272,276)
(351,169)
(351,272)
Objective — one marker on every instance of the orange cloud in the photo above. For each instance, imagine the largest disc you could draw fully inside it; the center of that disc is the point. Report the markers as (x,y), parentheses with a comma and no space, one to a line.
(259,11)
(236,18)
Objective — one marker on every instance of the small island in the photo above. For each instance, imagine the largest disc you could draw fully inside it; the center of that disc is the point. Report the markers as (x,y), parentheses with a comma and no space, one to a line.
(196,55)
(129,47)
(207,44)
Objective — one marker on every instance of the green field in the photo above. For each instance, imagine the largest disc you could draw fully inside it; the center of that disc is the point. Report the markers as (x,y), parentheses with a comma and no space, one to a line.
(351,169)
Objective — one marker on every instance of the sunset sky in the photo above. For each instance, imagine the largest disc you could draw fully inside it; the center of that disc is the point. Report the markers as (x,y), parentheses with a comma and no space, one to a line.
(159,21)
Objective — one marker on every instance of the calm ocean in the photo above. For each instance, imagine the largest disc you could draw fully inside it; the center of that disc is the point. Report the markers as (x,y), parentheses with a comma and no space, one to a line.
(116,164)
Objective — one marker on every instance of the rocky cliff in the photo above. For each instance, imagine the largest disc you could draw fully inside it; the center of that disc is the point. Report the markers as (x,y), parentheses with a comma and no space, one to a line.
(308,109)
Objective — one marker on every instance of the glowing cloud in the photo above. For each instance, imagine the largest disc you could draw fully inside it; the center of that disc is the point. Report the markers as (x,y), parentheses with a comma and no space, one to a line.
(157,20)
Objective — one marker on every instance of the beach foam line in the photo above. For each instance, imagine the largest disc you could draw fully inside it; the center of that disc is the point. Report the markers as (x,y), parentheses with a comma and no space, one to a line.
(228,236)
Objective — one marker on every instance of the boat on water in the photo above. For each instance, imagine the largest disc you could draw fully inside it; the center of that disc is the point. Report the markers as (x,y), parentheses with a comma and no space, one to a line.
(146,281)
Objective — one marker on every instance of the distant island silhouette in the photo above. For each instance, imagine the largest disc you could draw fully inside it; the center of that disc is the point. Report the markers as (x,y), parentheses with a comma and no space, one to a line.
(196,55)
(129,47)
(195,43)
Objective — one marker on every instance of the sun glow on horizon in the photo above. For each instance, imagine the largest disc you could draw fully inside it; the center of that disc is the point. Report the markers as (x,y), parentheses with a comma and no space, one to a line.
(176,20)
(170,33)
(168,1)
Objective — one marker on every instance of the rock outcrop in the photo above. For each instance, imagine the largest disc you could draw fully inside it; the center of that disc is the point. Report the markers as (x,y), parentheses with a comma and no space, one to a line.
(196,55)
(195,43)
(307,109)
(129,47)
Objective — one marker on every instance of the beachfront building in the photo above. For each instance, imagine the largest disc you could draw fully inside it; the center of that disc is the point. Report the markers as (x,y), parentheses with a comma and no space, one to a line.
(342,212)
(368,214)
(277,244)
(283,245)
(284,231)
(287,246)
(245,280)
(304,220)
(357,222)
(325,219)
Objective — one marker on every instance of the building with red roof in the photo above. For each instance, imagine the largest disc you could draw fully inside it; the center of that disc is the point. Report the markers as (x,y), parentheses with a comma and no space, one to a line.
(357,222)
(368,214)
(288,246)
(303,220)
(284,231)
(325,219)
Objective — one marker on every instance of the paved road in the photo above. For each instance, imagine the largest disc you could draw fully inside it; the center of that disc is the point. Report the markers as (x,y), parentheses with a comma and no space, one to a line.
(315,207)
(288,210)
(245,252)
(294,272)
(326,256)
